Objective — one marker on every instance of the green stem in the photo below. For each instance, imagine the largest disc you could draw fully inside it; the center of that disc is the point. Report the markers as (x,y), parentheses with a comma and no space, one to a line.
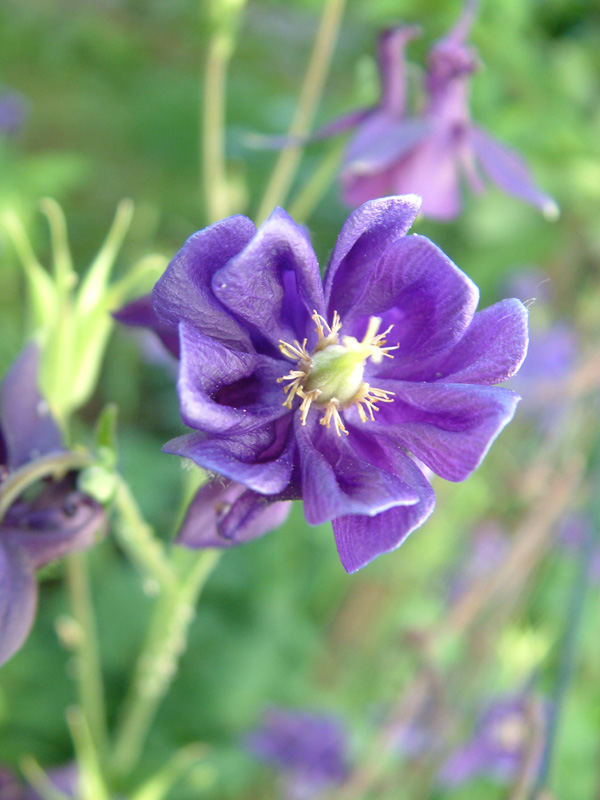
(310,94)
(138,540)
(310,195)
(89,673)
(213,127)
(157,662)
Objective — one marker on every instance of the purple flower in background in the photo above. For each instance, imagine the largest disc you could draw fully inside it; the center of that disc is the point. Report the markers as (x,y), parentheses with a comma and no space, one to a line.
(486,549)
(575,532)
(501,746)
(50,519)
(543,381)
(13,111)
(338,393)
(310,749)
(429,153)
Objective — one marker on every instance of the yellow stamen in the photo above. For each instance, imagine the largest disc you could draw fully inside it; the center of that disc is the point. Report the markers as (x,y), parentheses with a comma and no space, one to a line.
(332,412)
(320,375)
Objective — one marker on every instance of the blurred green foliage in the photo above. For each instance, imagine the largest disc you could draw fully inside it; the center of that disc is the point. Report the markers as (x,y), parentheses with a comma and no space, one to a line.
(114,107)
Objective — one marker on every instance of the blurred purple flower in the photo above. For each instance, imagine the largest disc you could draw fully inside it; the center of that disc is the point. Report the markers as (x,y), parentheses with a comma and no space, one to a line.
(543,379)
(38,527)
(499,746)
(310,749)
(279,372)
(575,532)
(13,112)
(428,154)
(486,549)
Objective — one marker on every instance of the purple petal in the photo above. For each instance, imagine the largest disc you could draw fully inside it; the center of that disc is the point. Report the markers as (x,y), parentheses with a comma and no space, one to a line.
(57,522)
(226,391)
(139,313)
(392,66)
(18,597)
(27,430)
(339,478)
(432,171)
(380,142)
(360,539)
(333,128)
(462,765)
(184,291)
(274,283)
(262,460)
(429,301)
(223,514)
(449,427)
(492,349)
(508,171)
(366,235)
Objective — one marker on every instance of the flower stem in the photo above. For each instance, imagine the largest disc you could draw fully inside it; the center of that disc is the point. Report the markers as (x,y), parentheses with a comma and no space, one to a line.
(213,128)
(157,662)
(310,94)
(89,673)
(137,538)
(310,195)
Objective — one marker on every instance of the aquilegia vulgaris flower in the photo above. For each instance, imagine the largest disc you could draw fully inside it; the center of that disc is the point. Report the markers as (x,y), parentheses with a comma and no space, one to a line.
(338,392)
(310,749)
(47,518)
(431,151)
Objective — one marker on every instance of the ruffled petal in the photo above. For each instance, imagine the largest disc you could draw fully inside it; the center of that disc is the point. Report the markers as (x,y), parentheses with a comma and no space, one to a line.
(338,478)
(427,299)
(140,314)
(449,427)
(184,291)
(366,235)
(226,391)
(492,349)
(360,539)
(18,598)
(274,284)
(59,521)
(223,514)
(508,171)
(262,460)
(27,430)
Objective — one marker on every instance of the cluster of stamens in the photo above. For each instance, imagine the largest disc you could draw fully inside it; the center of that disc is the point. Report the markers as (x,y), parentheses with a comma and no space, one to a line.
(331,375)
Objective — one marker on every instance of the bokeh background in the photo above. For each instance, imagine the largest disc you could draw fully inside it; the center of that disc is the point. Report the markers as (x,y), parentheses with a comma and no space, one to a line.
(113,96)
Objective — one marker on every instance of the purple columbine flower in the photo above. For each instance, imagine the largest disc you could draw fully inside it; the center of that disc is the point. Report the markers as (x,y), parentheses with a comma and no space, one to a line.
(50,519)
(577,528)
(500,745)
(310,749)
(428,153)
(338,392)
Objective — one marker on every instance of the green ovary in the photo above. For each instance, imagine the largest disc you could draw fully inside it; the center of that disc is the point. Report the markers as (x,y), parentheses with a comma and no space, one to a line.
(337,372)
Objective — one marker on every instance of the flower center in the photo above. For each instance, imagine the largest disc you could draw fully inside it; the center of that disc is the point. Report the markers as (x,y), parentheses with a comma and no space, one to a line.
(332,375)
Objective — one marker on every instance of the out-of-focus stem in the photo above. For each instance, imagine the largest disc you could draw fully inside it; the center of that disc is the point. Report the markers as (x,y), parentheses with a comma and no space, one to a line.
(157,663)
(568,657)
(214,178)
(310,94)
(89,673)
(315,187)
(136,536)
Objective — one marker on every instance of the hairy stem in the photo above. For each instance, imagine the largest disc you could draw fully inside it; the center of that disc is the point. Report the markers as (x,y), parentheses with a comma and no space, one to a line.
(89,672)
(157,663)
